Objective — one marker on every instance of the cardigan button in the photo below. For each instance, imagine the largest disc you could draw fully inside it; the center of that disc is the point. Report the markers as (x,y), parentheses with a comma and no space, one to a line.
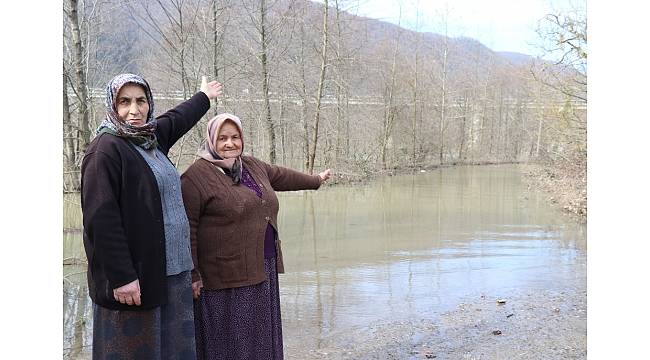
(263,201)
(268,218)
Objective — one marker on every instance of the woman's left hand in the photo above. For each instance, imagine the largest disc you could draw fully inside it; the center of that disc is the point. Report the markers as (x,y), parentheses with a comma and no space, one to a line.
(212,89)
(325,175)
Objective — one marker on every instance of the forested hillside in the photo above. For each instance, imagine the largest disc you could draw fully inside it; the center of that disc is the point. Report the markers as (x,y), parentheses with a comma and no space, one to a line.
(317,86)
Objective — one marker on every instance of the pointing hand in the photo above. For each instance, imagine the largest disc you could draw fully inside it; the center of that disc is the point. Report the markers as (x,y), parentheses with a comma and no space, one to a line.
(212,89)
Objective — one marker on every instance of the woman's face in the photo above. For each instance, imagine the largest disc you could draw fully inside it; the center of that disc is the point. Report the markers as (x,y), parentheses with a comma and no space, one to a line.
(229,143)
(131,105)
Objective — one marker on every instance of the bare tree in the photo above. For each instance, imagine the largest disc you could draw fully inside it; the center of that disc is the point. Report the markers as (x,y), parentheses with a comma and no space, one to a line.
(341,87)
(80,74)
(69,153)
(305,100)
(321,87)
(564,37)
(443,97)
(270,128)
(416,68)
(169,24)
(280,65)
(389,103)
(217,44)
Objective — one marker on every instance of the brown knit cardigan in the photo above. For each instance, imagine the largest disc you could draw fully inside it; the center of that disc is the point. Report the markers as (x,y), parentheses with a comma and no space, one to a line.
(228,221)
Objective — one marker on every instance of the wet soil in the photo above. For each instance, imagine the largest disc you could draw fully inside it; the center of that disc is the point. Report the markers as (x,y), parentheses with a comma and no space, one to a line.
(565,187)
(547,324)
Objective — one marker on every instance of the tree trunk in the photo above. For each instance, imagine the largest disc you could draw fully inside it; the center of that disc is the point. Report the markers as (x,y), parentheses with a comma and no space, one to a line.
(270,128)
(283,144)
(389,108)
(305,123)
(305,102)
(444,98)
(463,128)
(80,77)
(319,96)
(415,102)
(539,132)
(70,168)
(215,49)
(338,85)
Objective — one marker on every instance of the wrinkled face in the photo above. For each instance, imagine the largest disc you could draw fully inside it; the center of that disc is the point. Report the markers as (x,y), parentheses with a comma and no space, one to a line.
(228,143)
(131,105)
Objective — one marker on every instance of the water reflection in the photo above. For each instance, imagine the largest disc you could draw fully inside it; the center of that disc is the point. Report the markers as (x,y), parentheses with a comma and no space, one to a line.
(412,246)
(400,247)
(77,313)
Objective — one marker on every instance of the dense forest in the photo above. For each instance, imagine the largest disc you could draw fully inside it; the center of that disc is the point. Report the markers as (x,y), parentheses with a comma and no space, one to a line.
(317,86)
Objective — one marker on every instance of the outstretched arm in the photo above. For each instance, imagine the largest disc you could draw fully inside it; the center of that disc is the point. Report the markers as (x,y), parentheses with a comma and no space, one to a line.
(285,179)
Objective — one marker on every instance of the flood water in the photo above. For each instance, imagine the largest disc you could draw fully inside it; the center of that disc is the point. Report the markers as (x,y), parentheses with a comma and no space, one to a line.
(398,248)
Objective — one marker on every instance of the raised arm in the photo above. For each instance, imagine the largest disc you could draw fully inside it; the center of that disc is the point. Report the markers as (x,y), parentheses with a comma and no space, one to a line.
(173,124)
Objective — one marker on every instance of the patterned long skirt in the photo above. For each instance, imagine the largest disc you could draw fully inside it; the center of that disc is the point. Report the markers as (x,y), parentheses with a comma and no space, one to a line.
(241,323)
(165,332)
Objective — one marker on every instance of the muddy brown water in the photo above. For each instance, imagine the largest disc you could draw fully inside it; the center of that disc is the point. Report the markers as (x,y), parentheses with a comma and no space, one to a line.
(397,249)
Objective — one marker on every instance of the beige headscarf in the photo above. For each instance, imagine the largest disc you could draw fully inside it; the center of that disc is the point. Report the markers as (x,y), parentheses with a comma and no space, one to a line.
(209,152)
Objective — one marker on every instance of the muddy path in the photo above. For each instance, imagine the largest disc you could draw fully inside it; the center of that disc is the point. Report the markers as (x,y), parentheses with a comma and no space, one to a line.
(548,324)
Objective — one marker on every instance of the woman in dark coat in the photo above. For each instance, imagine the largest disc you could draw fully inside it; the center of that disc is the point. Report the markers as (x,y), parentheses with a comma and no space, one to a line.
(232,209)
(136,233)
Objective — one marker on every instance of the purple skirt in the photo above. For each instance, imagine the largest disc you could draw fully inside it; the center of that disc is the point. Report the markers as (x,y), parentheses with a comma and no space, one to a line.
(240,323)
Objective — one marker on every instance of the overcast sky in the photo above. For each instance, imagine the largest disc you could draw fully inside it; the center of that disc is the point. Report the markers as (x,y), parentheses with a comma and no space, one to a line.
(502,25)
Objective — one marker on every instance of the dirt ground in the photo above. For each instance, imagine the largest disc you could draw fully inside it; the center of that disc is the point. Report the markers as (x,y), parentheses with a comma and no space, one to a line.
(565,187)
(533,325)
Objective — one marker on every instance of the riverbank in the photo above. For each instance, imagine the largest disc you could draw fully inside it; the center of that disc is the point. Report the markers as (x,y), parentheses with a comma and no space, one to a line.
(344,178)
(566,189)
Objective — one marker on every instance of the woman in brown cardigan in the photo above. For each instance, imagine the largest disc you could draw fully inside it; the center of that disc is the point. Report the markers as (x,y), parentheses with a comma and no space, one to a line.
(232,209)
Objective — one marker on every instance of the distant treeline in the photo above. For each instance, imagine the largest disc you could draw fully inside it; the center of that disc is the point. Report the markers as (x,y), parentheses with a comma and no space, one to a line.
(317,86)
